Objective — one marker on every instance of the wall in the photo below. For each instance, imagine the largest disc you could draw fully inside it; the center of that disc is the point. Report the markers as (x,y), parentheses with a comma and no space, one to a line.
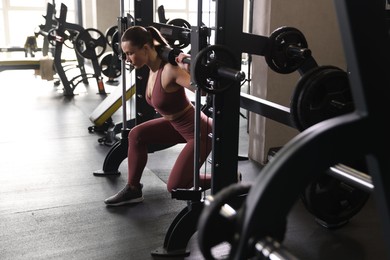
(316,19)
(100,14)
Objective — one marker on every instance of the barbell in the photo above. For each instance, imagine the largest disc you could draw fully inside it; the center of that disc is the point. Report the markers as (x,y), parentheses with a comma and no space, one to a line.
(213,67)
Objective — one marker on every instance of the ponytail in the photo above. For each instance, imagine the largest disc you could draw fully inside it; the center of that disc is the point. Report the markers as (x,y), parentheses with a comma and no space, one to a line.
(156,35)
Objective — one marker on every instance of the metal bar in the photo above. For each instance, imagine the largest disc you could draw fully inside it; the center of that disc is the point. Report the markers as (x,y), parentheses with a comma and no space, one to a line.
(266,108)
(269,248)
(198,104)
(253,44)
(121,30)
(352,176)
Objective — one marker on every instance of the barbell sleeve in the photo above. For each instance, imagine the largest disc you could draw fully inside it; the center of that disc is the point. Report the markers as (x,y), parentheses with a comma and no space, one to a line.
(232,74)
(169,54)
(299,52)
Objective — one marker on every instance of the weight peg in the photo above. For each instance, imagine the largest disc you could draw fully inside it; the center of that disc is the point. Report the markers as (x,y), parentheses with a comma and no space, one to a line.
(287,50)
(90,43)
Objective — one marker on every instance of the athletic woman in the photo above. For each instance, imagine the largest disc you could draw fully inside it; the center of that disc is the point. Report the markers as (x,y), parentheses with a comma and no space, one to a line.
(165,92)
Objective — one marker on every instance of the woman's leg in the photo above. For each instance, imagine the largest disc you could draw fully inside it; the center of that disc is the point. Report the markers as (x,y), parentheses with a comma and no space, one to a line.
(182,174)
(155,131)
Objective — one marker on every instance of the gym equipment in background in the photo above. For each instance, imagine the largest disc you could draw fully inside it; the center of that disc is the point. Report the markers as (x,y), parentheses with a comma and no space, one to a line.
(87,43)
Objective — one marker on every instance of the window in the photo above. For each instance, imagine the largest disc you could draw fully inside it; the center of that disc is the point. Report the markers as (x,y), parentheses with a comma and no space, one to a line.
(187,10)
(20,18)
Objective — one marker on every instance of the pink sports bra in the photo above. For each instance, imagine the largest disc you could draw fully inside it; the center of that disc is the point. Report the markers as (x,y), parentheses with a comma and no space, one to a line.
(167,103)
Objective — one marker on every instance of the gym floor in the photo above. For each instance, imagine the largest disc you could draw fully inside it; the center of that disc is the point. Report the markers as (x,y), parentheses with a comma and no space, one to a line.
(51,205)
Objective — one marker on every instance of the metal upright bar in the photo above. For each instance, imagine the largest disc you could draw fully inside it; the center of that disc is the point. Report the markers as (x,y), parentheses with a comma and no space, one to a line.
(198,105)
(123,67)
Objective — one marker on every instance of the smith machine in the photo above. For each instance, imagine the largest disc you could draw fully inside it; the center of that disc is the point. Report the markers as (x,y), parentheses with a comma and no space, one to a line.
(285,51)
(256,229)
(323,92)
(178,37)
(223,70)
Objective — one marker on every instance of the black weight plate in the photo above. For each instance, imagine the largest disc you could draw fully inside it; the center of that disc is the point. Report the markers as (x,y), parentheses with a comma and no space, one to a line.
(110,66)
(206,65)
(179,43)
(90,43)
(320,94)
(109,33)
(294,103)
(180,23)
(130,20)
(213,228)
(277,56)
(333,202)
(325,95)
(115,43)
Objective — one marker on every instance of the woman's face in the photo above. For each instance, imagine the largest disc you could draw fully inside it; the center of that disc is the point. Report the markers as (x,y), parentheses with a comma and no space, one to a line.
(134,55)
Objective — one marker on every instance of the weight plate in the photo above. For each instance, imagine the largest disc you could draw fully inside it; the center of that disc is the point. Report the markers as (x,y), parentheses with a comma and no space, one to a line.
(213,228)
(207,63)
(109,33)
(110,66)
(90,43)
(278,57)
(321,94)
(333,202)
(115,43)
(183,42)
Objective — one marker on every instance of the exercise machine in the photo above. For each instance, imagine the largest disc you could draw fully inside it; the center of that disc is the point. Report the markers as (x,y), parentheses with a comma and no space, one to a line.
(87,43)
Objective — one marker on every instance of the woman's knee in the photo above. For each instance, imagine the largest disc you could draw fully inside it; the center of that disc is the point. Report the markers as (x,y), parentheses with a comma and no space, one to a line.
(135,136)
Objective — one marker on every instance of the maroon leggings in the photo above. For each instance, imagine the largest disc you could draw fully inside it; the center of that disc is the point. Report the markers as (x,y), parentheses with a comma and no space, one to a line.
(162,131)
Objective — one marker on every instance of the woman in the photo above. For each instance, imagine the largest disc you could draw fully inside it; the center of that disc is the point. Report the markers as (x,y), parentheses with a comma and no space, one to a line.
(165,92)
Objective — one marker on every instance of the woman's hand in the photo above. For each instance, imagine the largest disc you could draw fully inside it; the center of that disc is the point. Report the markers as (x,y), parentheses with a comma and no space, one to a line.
(180,63)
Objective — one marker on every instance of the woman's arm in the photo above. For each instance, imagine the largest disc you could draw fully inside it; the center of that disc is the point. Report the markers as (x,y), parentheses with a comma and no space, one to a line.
(176,76)
(180,63)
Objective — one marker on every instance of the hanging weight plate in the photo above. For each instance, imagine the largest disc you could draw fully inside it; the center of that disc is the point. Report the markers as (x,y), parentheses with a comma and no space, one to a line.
(115,43)
(333,202)
(130,20)
(213,228)
(207,62)
(182,42)
(110,66)
(90,43)
(279,55)
(109,33)
(322,93)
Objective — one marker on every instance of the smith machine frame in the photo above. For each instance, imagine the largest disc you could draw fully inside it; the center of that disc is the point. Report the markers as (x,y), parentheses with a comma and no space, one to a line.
(362,133)
(225,130)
